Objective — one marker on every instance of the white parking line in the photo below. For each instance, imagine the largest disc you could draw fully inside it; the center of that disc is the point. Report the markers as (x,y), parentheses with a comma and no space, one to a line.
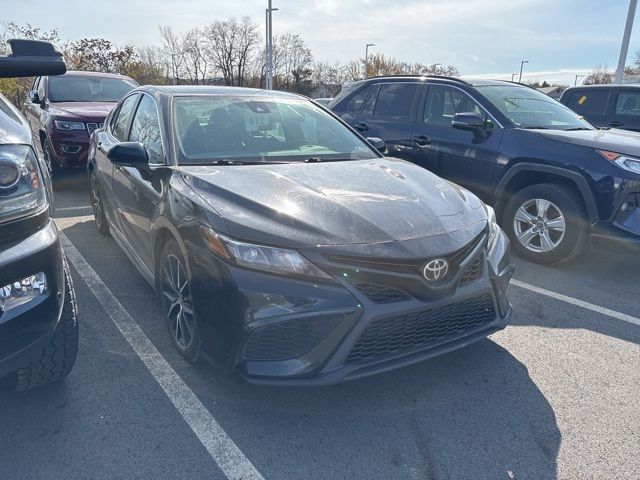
(223,450)
(66,209)
(580,303)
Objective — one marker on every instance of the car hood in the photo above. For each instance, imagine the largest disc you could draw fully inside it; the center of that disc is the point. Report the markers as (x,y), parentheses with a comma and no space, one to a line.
(336,203)
(621,141)
(82,109)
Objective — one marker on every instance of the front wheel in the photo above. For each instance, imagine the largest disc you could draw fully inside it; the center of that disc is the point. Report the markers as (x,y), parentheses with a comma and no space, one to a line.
(546,223)
(177,300)
(97,204)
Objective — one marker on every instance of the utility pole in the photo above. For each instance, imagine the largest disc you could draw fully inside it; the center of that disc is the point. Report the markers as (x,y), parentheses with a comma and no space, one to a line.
(366,59)
(522,65)
(269,46)
(624,49)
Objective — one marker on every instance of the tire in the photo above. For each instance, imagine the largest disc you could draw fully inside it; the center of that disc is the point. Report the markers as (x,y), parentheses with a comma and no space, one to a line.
(54,168)
(546,223)
(97,204)
(174,285)
(57,358)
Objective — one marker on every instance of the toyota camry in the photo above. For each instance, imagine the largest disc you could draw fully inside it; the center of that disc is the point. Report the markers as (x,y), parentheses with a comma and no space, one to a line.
(287,246)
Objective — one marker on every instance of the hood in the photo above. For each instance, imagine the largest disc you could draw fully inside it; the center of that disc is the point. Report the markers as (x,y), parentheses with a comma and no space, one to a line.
(82,109)
(336,203)
(620,141)
(13,126)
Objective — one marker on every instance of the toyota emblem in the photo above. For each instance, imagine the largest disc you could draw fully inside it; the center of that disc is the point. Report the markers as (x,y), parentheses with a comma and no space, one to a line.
(435,270)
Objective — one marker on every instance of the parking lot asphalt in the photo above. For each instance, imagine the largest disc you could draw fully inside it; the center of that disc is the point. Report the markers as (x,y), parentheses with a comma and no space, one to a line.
(555,395)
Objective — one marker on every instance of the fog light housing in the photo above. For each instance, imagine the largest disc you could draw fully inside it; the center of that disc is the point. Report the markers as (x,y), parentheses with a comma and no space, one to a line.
(22,291)
(70,148)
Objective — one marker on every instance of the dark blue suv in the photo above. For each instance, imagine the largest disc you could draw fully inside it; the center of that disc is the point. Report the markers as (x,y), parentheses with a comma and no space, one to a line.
(554,179)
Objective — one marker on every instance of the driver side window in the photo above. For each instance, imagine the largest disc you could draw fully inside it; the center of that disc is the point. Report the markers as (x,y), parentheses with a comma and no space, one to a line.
(444,102)
(146,129)
(121,119)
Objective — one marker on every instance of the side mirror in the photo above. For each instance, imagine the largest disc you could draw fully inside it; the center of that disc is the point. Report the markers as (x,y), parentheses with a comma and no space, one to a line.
(32,58)
(34,97)
(128,154)
(472,122)
(378,144)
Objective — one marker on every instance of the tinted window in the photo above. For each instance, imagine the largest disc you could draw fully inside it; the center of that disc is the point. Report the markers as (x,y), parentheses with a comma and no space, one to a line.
(355,103)
(593,102)
(76,88)
(395,100)
(146,129)
(444,102)
(628,103)
(121,120)
(255,129)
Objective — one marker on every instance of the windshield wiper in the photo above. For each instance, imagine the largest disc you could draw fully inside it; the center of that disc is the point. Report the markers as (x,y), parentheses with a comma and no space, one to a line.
(532,127)
(575,129)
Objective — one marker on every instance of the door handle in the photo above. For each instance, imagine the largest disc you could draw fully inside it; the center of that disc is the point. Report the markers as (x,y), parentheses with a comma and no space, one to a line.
(361,126)
(615,123)
(423,141)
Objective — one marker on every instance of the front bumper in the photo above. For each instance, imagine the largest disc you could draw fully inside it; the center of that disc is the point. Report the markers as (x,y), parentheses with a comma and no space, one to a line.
(297,333)
(70,149)
(25,329)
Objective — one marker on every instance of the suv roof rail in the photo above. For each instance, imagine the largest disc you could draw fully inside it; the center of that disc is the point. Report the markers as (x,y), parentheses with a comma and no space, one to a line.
(419,75)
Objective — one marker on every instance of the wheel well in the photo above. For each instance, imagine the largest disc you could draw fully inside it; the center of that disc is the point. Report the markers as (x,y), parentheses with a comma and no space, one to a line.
(526,179)
(43,137)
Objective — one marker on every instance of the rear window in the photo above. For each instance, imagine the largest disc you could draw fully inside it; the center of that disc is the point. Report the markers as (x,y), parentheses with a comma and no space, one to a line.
(395,100)
(628,103)
(588,102)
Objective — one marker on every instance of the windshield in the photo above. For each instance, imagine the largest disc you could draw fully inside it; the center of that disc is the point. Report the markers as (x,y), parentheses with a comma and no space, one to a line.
(529,108)
(75,88)
(214,128)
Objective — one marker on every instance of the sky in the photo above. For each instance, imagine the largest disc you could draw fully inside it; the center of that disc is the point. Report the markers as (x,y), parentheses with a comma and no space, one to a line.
(483,38)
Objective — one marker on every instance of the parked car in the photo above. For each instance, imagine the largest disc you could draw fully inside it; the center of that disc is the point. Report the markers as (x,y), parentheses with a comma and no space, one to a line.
(38,317)
(606,106)
(284,244)
(65,110)
(324,101)
(553,178)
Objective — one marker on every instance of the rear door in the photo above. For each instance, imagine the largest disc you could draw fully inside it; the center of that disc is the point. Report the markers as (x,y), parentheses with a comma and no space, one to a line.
(457,155)
(591,103)
(389,113)
(626,109)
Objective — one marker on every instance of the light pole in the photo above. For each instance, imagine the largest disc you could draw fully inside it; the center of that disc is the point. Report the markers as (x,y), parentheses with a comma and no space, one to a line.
(435,68)
(575,83)
(269,46)
(625,40)
(522,65)
(513,75)
(366,59)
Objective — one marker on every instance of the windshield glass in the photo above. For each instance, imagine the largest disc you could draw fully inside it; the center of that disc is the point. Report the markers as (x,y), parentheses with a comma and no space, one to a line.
(213,128)
(529,108)
(75,88)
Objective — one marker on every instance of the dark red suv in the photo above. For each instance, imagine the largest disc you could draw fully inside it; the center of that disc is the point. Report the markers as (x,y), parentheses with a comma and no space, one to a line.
(64,110)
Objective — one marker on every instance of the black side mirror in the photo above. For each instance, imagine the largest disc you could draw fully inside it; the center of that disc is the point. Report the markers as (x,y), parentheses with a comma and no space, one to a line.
(32,58)
(378,144)
(470,121)
(129,154)
(34,97)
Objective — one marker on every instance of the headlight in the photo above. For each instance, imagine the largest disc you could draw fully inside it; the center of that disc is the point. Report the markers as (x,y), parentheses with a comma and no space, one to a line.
(628,163)
(494,229)
(21,189)
(282,261)
(66,126)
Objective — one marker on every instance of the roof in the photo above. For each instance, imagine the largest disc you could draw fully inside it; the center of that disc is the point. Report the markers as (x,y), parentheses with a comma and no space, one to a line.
(177,90)
(626,86)
(462,80)
(81,73)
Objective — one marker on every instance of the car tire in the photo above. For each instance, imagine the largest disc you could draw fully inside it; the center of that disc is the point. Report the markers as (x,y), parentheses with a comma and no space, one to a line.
(174,286)
(97,204)
(58,357)
(546,223)
(54,168)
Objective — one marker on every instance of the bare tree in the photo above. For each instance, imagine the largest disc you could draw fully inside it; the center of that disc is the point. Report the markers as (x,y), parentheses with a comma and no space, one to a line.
(231,44)
(195,56)
(599,75)
(172,47)
(292,61)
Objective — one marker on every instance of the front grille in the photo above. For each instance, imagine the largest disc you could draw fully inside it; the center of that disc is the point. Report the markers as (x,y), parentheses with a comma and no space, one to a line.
(92,127)
(396,335)
(381,293)
(472,272)
(289,339)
